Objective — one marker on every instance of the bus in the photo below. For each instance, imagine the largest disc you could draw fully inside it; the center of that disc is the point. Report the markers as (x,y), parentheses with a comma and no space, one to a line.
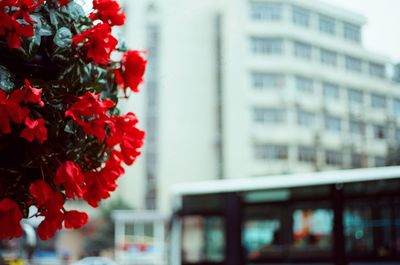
(344,217)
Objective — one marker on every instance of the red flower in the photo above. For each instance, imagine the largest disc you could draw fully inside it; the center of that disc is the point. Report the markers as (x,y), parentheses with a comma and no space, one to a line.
(10,216)
(90,113)
(34,129)
(125,134)
(108,11)
(51,203)
(25,8)
(63,2)
(69,174)
(14,30)
(100,184)
(11,110)
(133,66)
(33,95)
(75,219)
(46,196)
(48,227)
(98,41)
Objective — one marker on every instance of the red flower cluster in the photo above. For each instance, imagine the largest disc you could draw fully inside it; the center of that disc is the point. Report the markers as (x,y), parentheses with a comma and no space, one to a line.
(98,41)
(13,109)
(131,72)
(108,11)
(51,203)
(123,140)
(17,22)
(116,140)
(10,216)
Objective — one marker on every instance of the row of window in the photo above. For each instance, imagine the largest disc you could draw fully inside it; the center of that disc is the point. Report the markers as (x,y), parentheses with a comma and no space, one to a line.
(309,154)
(330,91)
(267,11)
(331,123)
(267,45)
(304,50)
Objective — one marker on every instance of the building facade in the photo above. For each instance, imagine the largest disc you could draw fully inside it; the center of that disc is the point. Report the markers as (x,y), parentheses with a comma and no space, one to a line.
(255,87)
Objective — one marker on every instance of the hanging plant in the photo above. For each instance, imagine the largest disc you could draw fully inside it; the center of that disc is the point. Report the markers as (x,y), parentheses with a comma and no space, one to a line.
(62,136)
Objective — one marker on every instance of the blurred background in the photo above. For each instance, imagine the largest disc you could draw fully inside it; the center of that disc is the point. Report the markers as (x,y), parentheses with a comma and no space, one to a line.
(248,89)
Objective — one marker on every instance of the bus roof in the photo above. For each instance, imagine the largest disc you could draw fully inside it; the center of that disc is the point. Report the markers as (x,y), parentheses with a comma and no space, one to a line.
(286,181)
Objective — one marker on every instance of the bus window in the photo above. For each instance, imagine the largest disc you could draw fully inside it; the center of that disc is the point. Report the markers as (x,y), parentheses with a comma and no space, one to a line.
(397,228)
(367,228)
(312,231)
(262,233)
(203,239)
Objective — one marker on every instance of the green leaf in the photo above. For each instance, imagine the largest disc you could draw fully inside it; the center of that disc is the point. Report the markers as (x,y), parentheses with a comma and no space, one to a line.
(75,11)
(63,38)
(44,27)
(6,80)
(53,18)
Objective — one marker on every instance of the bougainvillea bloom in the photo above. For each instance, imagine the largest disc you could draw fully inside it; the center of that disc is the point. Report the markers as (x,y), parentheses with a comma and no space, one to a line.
(10,216)
(70,175)
(108,11)
(133,66)
(98,41)
(34,129)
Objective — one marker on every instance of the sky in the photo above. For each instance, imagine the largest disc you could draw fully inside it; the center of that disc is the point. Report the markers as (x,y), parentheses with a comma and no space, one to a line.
(381,34)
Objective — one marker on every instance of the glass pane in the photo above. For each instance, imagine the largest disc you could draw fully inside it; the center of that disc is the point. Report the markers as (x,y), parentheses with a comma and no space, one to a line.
(367,229)
(262,233)
(203,239)
(312,229)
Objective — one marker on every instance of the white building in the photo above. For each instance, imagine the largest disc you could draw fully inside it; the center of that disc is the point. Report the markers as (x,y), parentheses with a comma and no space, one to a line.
(239,88)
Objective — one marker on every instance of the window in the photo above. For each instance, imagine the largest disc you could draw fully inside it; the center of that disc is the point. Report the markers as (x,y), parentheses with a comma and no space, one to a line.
(327,25)
(304,84)
(266,45)
(352,32)
(357,127)
(307,154)
(305,119)
(377,70)
(328,57)
(301,16)
(332,124)
(266,11)
(271,152)
(367,227)
(396,106)
(355,96)
(267,80)
(302,50)
(380,132)
(330,91)
(203,239)
(266,115)
(378,101)
(333,158)
(356,160)
(353,64)
(312,230)
(379,161)
(262,232)
(397,134)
